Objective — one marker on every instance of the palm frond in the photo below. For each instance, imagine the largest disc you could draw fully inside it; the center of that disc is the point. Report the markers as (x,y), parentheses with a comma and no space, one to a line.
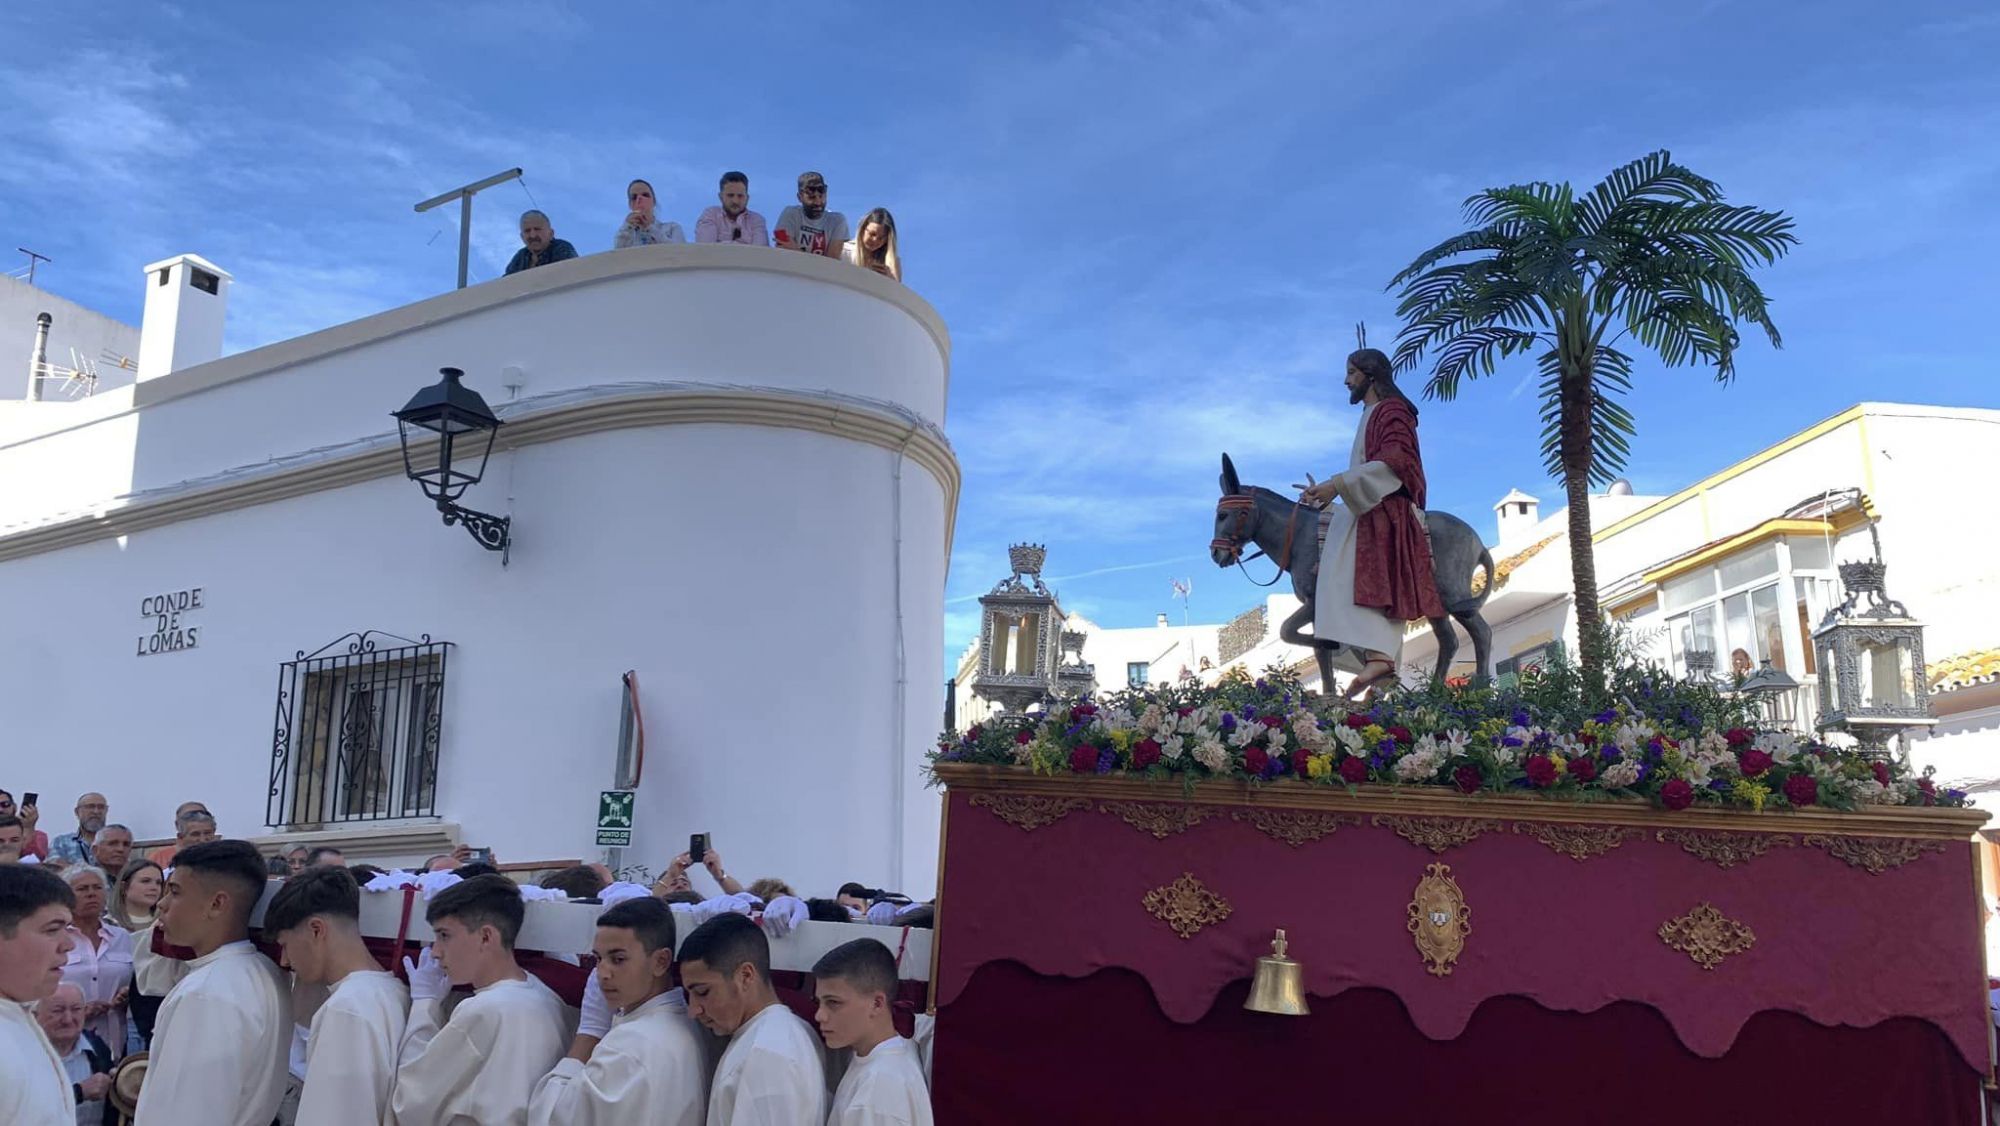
(1606,426)
(1652,175)
(1731,233)
(1547,205)
(1472,353)
(1485,238)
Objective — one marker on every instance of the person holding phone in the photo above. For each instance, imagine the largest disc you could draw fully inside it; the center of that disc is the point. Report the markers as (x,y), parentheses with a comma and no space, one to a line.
(642,225)
(36,843)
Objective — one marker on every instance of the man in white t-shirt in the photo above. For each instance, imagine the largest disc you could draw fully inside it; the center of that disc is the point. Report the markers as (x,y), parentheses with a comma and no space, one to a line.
(34,946)
(807,225)
(774,1069)
(351,1047)
(855,984)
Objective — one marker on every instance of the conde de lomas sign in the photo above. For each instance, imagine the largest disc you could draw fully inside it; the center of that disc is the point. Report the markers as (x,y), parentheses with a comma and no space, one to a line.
(168,616)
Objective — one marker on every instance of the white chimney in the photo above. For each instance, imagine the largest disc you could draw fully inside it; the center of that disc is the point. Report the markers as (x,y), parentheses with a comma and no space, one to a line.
(1161,621)
(1518,514)
(185,299)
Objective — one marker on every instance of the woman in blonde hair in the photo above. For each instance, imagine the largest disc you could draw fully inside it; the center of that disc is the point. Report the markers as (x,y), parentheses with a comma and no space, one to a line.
(135,905)
(874,245)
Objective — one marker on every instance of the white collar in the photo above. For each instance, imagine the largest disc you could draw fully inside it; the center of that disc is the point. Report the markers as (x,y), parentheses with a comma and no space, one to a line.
(228,949)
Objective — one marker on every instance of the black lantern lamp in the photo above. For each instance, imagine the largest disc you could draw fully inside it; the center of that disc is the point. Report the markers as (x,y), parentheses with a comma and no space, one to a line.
(1775,694)
(465,427)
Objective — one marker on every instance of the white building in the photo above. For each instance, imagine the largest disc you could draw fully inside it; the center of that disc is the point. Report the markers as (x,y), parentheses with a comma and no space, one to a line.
(718,462)
(1741,564)
(74,338)
(1121,657)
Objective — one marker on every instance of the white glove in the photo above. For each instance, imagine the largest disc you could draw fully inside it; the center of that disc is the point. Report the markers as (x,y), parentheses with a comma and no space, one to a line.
(596,1018)
(428,981)
(620,892)
(390,881)
(783,913)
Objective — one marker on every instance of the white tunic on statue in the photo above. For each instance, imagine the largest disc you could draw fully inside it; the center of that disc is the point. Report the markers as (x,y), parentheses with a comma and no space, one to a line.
(772,1074)
(220,1045)
(478,1068)
(650,1068)
(1364,485)
(34,1088)
(351,1051)
(883,1088)
(153,975)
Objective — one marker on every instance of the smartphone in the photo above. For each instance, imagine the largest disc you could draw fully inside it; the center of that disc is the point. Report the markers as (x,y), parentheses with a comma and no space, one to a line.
(31,798)
(697,848)
(479,856)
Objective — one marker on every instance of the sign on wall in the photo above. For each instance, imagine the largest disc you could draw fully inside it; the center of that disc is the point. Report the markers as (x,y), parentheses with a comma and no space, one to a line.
(614,818)
(169,618)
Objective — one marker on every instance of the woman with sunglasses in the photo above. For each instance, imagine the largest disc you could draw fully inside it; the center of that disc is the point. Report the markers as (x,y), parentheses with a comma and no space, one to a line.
(642,227)
(874,247)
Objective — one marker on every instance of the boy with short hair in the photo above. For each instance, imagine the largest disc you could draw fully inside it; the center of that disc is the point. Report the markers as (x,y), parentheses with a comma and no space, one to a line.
(352,1044)
(35,941)
(774,1068)
(223,1034)
(855,984)
(480,1066)
(649,1068)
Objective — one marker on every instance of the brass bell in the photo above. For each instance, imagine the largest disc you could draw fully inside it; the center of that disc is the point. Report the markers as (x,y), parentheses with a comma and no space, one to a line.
(1279,986)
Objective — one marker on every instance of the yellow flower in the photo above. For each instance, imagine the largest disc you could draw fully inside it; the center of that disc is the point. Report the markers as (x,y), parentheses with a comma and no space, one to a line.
(1562,767)
(1752,792)
(1122,739)
(1319,767)
(1371,735)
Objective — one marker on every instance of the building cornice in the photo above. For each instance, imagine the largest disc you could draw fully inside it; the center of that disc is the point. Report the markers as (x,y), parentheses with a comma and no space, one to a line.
(584,413)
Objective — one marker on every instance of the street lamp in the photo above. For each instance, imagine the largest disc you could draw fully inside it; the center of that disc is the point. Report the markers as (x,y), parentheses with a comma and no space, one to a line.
(1871,662)
(465,427)
(1775,694)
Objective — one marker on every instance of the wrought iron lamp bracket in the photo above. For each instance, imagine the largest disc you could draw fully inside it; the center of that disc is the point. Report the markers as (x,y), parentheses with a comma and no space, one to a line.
(491,532)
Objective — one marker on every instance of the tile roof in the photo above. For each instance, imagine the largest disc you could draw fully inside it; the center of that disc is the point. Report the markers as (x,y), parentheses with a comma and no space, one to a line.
(1981,666)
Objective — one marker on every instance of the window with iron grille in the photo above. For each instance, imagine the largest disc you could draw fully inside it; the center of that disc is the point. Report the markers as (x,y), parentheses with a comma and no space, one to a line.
(359,725)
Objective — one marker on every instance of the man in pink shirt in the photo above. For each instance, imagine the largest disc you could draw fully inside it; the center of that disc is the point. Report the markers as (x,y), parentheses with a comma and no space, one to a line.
(733,222)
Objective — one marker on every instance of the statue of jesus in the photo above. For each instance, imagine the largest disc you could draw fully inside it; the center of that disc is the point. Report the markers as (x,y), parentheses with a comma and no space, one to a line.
(1375,568)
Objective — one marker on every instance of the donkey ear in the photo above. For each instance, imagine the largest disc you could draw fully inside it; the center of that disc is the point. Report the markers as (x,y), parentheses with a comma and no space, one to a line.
(1230,485)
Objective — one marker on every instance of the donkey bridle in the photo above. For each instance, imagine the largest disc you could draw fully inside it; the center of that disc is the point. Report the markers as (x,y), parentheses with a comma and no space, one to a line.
(1242,517)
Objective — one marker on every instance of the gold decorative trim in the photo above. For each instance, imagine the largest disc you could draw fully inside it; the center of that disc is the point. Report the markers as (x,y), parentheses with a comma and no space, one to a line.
(1161,819)
(1724,850)
(1186,905)
(1876,854)
(1029,812)
(1295,827)
(1439,834)
(1439,920)
(1578,842)
(1922,822)
(1707,936)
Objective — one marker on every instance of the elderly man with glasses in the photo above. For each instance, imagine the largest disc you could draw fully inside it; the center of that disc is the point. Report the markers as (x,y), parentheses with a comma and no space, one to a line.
(79,847)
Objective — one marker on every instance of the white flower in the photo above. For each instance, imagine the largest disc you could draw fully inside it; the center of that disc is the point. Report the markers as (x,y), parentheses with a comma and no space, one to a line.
(1712,742)
(1152,719)
(1782,746)
(1172,747)
(1455,740)
(1416,767)
(1244,734)
(1625,772)
(1277,738)
(1212,755)
(1348,737)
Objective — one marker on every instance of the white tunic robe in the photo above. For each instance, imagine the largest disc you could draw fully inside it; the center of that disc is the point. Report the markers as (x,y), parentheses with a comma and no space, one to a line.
(479,1068)
(650,1068)
(220,1046)
(772,1074)
(34,1088)
(883,1088)
(153,975)
(351,1051)
(1335,616)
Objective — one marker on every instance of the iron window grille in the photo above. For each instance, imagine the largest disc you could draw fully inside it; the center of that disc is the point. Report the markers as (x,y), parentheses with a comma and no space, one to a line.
(357,732)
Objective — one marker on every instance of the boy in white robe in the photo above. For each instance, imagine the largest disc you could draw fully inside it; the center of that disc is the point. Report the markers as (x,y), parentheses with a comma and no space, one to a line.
(774,1071)
(350,1051)
(220,1045)
(478,1068)
(35,942)
(649,1068)
(855,984)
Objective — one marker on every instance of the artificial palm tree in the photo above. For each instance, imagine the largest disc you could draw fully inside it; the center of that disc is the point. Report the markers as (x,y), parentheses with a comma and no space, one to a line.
(1652,253)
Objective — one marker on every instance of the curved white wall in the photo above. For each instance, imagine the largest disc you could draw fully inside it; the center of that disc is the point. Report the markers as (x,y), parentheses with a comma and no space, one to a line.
(749,571)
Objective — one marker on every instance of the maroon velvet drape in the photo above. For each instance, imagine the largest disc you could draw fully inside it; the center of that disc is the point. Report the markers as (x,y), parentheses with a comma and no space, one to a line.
(1392,552)
(1017,1046)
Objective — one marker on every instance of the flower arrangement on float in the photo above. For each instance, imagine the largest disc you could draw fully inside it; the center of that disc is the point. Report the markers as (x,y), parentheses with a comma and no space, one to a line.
(1672,743)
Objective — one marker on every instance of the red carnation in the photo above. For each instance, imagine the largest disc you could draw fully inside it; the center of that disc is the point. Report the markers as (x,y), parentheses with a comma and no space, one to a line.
(1881,770)
(1083,760)
(1754,762)
(1677,794)
(1357,721)
(1738,737)
(1541,771)
(1024,736)
(1145,753)
(1467,778)
(1929,790)
(1583,768)
(1801,789)
(1353,770)
(1299,758)
(974,734)
(1082,711)
(1254,759)
(1586,738)
(1183,712)
(1401,735)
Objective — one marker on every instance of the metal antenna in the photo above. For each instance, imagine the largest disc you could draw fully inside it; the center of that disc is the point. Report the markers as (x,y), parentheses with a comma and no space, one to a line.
(464,196)
(32,259)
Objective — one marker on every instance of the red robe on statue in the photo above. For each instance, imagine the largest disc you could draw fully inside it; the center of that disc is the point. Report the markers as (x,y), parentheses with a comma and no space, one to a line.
(1392,561)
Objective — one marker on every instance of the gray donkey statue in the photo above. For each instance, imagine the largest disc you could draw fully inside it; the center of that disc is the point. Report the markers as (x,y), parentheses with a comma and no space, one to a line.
(1288,533)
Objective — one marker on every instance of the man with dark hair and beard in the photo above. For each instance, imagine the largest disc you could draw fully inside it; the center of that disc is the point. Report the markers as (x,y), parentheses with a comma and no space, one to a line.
(1375,569)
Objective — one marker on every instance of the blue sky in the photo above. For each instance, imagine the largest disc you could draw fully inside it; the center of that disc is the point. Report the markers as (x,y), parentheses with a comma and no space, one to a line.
(1150,226)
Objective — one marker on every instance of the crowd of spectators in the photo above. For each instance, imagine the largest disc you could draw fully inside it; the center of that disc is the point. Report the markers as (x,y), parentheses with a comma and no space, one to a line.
(807,226)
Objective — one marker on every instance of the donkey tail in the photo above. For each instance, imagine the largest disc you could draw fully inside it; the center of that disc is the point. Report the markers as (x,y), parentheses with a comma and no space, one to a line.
(1486,591)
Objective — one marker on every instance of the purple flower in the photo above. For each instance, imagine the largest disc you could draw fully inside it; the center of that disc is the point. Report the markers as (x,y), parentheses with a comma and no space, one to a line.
(1510,740)
(1079,725)
(1608,715)
(1273,767)
(1522,718)
(1720,785)
(1228,723)
(1250,710)
(1954,795)
(1263,686)
(1385,748)
(1610,754)
(1541,739)
(1106,760)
